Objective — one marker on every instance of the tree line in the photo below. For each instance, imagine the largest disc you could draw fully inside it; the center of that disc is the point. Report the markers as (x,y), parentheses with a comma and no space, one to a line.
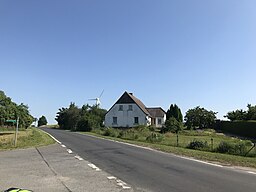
(80,119)
(9,110)
(88,117)
(202,118)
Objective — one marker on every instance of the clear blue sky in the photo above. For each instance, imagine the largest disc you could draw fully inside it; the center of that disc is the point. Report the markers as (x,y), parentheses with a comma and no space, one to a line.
(186,52)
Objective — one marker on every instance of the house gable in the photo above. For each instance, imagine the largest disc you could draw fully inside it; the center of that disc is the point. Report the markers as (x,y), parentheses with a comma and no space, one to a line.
(128,98)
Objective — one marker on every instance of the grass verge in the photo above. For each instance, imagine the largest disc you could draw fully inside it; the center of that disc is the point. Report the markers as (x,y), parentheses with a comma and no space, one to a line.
(224,159)
(31,137)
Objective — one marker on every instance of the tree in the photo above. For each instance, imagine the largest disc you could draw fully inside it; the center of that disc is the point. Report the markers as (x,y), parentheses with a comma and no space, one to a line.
(67,118)
(172,125)
(236,115)
(174,111)
(82,119)
(10,110)
(239,115)
(199,118)
(251,112)
(42,121)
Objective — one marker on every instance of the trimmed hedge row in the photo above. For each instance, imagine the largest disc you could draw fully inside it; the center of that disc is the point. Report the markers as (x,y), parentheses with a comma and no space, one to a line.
(240,128)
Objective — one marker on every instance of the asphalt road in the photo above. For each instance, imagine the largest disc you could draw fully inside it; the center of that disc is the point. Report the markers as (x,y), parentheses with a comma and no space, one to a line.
(148,170)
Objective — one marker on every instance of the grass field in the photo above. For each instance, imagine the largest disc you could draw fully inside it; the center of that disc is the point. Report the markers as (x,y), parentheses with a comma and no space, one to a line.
(26,138)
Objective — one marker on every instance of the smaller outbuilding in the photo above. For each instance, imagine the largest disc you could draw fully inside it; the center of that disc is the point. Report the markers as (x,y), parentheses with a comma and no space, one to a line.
(129,111)
(158,116)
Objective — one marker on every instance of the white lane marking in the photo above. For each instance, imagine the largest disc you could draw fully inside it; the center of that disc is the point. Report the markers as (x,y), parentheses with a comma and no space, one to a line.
(111,178)
(94,167)
(69,151)
(119,182)
(51,136)
(126,187)
(251,172)
(63,145)
(122,184)
(79,158)
(204,162)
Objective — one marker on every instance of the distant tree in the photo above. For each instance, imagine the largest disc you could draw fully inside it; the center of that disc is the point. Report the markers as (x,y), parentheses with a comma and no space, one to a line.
(69,117)
(239,115)
(199,118)
(174,111)
(82,119)
(172,125)
(236,115)
(251,112)
(42,121)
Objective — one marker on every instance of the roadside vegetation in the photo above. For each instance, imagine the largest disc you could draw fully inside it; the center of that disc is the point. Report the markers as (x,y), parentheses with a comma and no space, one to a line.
(10,111)
(30,137)
(196,137)
(168,144)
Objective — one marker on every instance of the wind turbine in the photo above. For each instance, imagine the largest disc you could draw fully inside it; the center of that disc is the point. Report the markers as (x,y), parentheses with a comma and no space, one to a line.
(97,99)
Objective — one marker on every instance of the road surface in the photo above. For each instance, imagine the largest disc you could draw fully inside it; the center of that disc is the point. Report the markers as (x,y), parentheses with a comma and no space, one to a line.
(149,170)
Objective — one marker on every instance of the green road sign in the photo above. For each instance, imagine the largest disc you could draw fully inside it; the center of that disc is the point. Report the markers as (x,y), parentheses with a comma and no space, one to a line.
(10,121)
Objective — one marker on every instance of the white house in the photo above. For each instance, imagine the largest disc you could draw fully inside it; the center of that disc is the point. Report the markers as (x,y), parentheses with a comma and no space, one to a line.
(129,111)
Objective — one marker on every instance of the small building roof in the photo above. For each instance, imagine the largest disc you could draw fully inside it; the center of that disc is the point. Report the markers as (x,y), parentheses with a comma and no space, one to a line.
(156,112)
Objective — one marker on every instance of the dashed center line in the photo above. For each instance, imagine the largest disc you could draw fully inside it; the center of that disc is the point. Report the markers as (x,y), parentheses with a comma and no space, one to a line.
(63,145)
(69,151)
(111,178)
(94,167)
(79,158)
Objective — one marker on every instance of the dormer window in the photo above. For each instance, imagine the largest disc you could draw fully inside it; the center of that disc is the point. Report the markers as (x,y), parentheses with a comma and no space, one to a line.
(120,108)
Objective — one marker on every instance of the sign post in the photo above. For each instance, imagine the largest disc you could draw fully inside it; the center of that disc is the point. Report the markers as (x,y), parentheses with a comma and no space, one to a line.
(16,132)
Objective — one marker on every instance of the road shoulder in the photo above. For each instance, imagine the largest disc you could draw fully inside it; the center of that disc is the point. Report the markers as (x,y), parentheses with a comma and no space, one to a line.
(52,168)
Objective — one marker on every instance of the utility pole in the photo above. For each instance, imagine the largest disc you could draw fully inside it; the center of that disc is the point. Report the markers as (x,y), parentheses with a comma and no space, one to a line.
(16,132)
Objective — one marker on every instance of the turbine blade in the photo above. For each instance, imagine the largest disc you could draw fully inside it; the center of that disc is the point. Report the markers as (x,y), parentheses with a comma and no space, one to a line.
(101,93)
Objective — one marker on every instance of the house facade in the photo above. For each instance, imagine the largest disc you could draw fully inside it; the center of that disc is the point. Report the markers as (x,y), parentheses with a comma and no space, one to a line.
(129,111)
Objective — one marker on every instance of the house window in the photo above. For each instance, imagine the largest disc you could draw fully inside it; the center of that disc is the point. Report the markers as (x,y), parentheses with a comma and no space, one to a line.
(136,120)
(129,107)
(114,120)
(159,121)
(120,107)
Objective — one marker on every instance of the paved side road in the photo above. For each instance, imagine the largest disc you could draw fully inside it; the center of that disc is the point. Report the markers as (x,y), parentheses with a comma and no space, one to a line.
(52,168)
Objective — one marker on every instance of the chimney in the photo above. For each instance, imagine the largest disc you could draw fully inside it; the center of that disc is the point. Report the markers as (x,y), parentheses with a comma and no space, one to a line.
(131,93)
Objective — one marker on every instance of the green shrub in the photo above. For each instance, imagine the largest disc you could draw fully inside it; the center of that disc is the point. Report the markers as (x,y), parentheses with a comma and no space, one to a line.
(111,132)
(154,137)
(232,148)
(172,125)
(198,145)
(130,134)
(152,128)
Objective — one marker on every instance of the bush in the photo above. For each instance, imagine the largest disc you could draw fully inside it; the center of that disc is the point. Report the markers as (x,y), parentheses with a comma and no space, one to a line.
(152,128)
(172,125)
(154,137)
(130,134)
(83,125)
(111,132)
(198,145)
(232,148)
